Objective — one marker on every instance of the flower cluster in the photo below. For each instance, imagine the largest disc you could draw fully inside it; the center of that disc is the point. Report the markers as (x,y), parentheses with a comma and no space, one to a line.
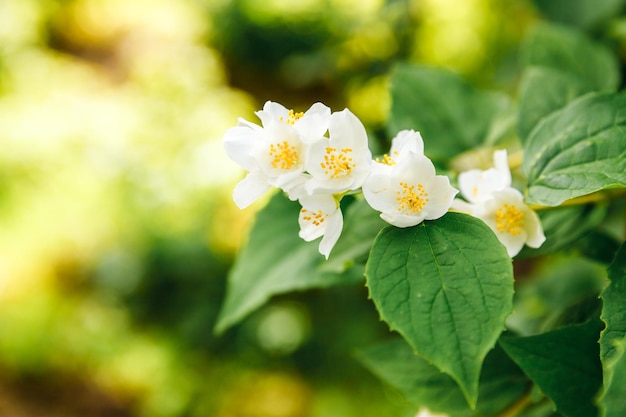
(490,197)
(319,156)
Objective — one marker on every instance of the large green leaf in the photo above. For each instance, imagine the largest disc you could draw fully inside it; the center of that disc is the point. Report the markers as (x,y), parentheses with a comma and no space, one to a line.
(570,51)
(274,261)
(582,13)
(544,90)
(362,224)
(450,114)
(564,363)
(614,306)
(612,402)
(447,287)
(577,150)
(422,384)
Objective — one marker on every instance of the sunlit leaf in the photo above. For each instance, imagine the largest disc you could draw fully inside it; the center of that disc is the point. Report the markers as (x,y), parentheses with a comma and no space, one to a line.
(570,51)
(577,150)
(544,90)
(447,287)
(564,363)
(275,261)
(501,380)
(451,115)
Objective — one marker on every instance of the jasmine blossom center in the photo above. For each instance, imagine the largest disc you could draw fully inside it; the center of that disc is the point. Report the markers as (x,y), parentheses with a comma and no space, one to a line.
(387,160)
(314,217)
(292,117)
(509,220)
(284,155)
(337,163)
(410,200)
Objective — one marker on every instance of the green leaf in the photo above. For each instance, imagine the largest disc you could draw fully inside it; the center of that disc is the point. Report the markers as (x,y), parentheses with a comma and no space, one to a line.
(449,113)
(564,226)
(597,245)
(543,91)
(614,305)
(561,290)
(577,150)
(447,287)
(422,384)
(570,51)
(612,402)
(275,261)
(564,364)
(581,13)
(362,224)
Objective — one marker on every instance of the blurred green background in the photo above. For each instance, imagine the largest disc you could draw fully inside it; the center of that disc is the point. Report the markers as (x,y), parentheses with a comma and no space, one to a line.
(117,227)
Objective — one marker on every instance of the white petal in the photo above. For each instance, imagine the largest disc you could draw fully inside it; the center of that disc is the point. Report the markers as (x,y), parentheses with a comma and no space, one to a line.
(332,233)
(414,168)
(406,141)
(501,163)
(272,112)
(534,229)
(324,206)
(401,220)
(463,207)
(250,189)
(240,143)
(440,197)
(314,124)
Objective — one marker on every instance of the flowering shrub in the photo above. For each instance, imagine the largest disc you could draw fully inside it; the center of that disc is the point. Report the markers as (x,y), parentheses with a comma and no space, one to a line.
(436,250)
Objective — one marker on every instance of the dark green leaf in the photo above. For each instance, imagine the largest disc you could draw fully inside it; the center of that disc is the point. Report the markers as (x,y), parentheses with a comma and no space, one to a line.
(422,384)
(577,150)
(274,261)
(447,287)
(612,402)
(570,51)
(562,290)
(544,90)
(564,363)
(614,305)
(450,114)
(598,246)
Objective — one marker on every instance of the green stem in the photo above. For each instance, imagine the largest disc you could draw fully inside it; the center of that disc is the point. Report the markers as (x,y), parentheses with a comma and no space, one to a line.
(517,407)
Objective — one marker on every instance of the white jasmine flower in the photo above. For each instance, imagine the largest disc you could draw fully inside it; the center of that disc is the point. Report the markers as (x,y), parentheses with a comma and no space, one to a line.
(310,125)
(477,185)
(274,154)
(492,199)
(320,216)
(408,192)
(513,222)
(405,141)
(341,162)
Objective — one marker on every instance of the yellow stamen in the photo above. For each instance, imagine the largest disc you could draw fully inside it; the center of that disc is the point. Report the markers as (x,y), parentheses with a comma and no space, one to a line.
(291,117)
(285,156)
(387,160)
(509,220)
(337,163)
(411,201)
(315,217)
